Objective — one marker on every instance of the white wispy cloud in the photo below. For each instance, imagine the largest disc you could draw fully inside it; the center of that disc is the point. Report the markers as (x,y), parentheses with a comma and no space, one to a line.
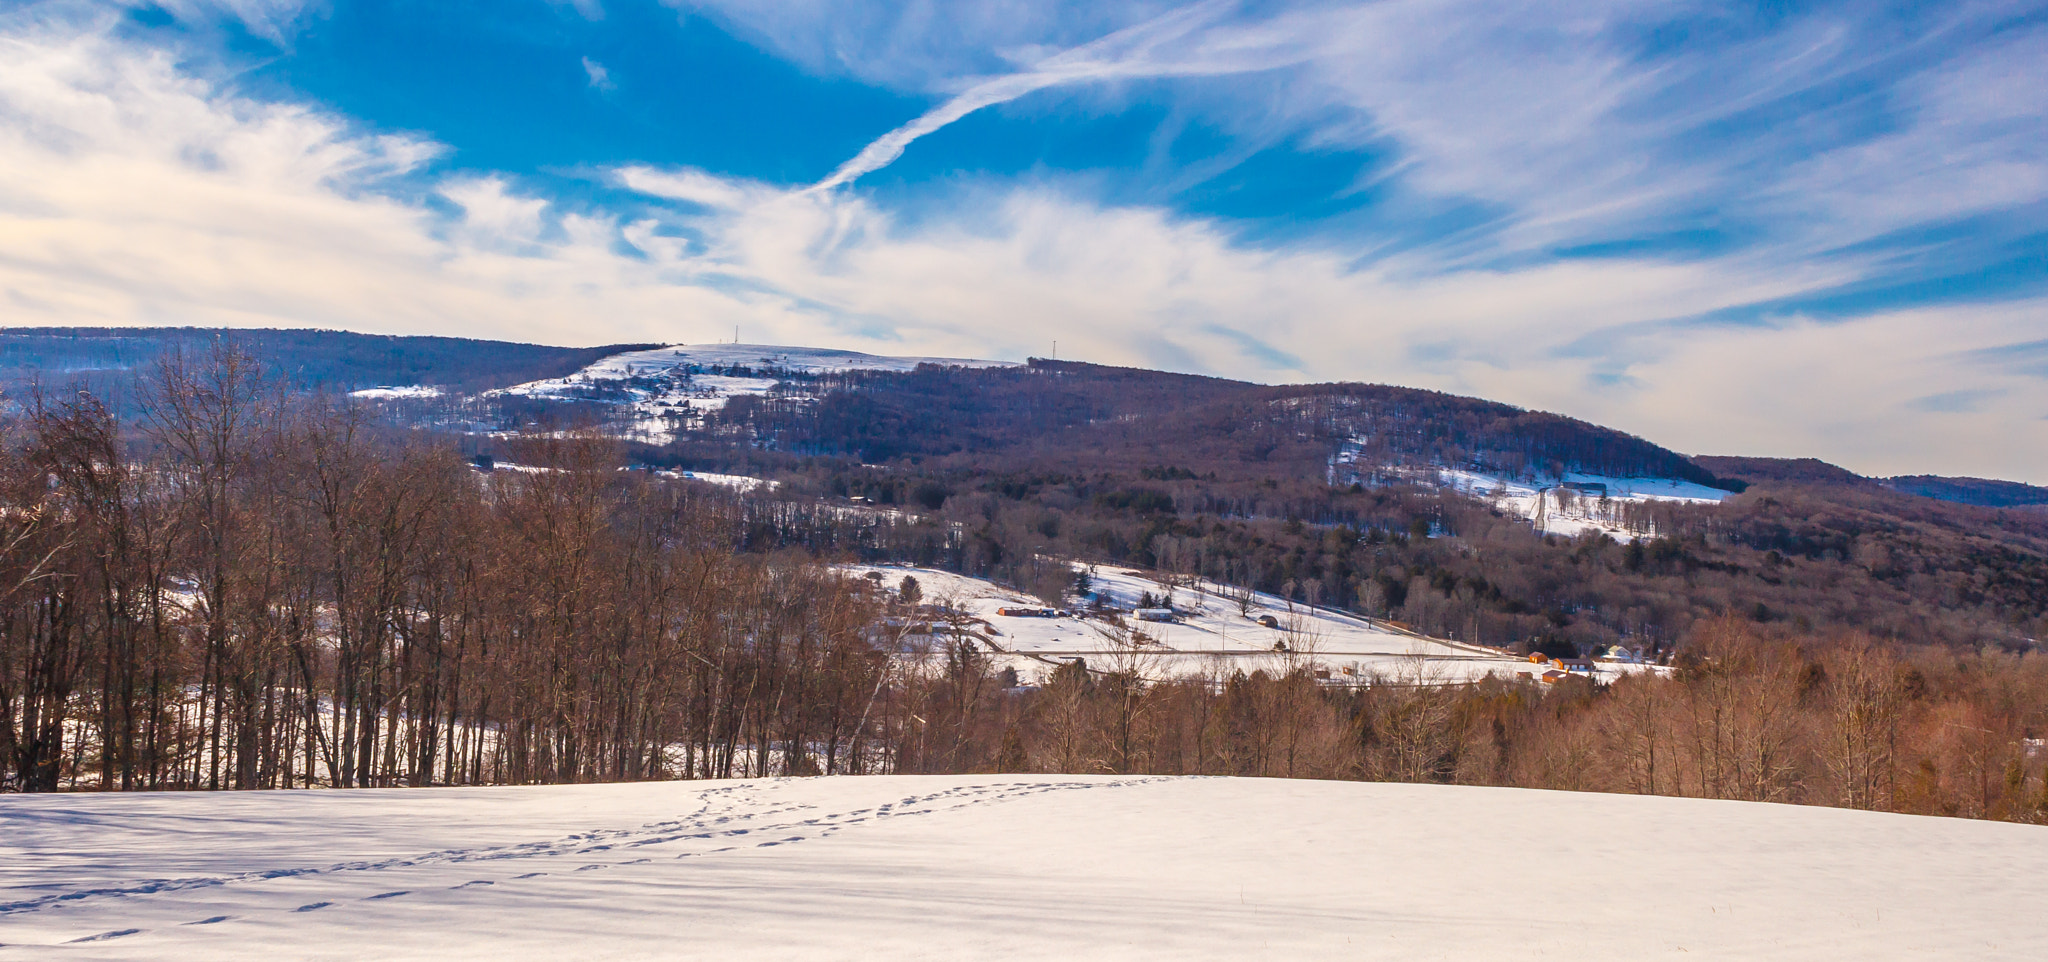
(600,78)
(273,20)
(1172,44)
(919,45)
(1558,116)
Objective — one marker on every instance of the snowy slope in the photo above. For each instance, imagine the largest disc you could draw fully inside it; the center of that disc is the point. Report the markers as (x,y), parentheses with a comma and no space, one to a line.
(1555,507)
(1003,867)
(1571,504)
(1210,634)
(657,387)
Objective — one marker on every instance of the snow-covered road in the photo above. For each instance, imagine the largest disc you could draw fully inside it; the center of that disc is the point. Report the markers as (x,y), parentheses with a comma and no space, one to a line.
(1003,867)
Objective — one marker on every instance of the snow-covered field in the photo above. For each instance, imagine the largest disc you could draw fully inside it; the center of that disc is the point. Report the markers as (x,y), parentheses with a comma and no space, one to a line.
(1211,634)
(1003,867)
(738,482)
(396,393)
(659,388)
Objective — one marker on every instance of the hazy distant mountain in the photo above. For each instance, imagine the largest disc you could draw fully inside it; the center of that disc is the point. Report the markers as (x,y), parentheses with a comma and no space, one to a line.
(339,361)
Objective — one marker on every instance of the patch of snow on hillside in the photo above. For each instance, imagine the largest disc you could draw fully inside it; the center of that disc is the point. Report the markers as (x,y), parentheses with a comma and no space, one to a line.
(396,393)
(1649,489)
(1578,503)
(738,482)
(1001,867)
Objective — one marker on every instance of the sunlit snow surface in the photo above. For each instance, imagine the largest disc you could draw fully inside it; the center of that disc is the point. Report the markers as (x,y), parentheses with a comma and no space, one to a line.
(396,393)
(1555,508)
(657,391)
(1211,634)
(1003,867)
(738,482)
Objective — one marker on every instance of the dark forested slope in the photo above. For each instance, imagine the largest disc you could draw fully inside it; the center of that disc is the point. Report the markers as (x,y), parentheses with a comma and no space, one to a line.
(1105,418)
(1322,493)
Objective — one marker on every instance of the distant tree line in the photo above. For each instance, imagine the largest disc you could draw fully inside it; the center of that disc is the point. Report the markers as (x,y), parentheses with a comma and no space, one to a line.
(107,360)
(1751,713)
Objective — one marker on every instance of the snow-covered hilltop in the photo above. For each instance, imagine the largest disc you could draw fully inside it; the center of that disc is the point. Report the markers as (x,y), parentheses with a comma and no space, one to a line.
(661,390)
(1003,867)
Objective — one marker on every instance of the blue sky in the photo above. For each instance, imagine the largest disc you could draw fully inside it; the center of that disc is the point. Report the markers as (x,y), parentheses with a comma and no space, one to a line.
(1783,229)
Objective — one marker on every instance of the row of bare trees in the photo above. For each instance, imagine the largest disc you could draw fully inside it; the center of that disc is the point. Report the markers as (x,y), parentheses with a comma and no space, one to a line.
(1749,714)
(252,589)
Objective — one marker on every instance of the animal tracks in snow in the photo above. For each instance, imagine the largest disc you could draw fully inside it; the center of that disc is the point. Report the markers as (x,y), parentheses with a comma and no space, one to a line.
(578,843)
(728,819)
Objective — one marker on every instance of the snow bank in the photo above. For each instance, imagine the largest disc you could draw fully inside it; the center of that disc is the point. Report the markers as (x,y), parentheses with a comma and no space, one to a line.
(1003,867)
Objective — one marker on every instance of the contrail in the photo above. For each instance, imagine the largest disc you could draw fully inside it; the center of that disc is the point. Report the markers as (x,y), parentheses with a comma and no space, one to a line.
(1125,53)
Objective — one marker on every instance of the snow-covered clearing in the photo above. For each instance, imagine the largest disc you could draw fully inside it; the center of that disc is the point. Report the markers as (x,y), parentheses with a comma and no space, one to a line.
(738,482)
(659,390)
(516,468)
(1003,867)
(1578,503)
(1211,633)
(1571,504)
(396,393)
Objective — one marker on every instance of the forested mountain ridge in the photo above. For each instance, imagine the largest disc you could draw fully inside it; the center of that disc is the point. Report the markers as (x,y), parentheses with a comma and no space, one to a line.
(110,358)
(879,415)
(1978,491)
(1128,417)
(1982,492)
(1329,493)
